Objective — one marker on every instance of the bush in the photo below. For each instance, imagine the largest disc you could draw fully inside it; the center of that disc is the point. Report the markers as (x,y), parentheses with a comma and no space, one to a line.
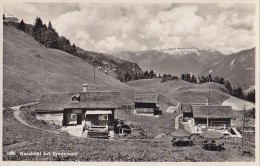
(8,113)
(168,77)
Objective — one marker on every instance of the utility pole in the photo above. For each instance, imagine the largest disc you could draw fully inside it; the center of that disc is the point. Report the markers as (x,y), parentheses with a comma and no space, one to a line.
(94,71)
(243,126)
(207,103)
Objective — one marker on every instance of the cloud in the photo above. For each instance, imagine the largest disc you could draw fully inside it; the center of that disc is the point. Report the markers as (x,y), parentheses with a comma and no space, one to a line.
(29,11)
(113,27)
(109,44)
(226,5)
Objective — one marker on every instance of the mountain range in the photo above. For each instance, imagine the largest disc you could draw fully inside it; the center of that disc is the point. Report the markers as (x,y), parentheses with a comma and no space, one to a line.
(175,60)
(238,68)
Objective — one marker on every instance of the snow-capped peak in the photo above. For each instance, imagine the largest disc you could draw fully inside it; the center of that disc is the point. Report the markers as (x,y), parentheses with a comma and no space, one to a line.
(181,51)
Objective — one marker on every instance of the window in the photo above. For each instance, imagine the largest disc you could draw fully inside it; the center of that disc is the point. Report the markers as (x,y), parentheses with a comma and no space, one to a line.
(76,98)
(102,117)
(73,116)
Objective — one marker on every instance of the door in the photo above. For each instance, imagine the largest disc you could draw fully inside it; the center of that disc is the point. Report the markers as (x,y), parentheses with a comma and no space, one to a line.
(79,119)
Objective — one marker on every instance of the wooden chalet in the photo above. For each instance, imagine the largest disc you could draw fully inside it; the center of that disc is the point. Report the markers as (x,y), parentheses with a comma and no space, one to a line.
(218,116)
(95,108)
(146,103)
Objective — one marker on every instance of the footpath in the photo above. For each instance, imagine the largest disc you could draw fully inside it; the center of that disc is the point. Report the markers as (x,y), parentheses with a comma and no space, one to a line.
(17,116)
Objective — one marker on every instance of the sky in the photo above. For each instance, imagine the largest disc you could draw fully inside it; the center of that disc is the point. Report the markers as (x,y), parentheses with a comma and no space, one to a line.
(115,27)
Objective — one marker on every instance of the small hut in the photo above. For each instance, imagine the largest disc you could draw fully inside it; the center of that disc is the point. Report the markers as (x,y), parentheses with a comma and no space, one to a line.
(181,138)
(146,104)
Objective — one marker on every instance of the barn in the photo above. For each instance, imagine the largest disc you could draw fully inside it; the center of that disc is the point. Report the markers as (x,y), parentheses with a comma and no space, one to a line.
(95,108)
(146,104)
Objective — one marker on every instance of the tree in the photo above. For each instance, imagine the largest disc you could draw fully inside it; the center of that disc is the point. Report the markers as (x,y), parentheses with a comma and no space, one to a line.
(127,77)
(21,26)
(202,79)
(159,76)
(216,79)
(64,44)
(238,92)
(38,29)
(228,86)
(44,26)
(209,78)
(222,81)
(250,96)
(4,17)
(49,25)
(183,77)
(74,49)
(146,75)
(152,74)
(193,79)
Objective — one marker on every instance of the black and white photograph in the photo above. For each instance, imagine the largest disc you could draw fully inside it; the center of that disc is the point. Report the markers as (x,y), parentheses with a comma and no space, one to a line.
(130,81)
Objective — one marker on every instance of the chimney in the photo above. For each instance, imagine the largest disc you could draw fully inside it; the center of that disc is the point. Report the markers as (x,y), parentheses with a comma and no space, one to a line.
(85,87)
(207,102)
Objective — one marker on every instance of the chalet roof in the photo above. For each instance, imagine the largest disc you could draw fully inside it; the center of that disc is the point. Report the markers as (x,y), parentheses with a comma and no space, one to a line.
(214,111)
(186,108)
(146,98)
(181,133)
(90,99)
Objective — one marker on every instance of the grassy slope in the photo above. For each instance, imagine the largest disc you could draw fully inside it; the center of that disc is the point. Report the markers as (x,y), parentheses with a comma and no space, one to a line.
(183,91)
(23,139)
(30,69)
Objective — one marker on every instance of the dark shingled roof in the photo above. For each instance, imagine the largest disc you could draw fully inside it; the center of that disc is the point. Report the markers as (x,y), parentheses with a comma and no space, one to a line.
(146,98)
(186,108)
(181,133)
(91,100)
(215,111)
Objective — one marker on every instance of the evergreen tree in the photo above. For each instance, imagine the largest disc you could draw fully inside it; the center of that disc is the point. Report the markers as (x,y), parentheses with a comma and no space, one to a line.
(49,25)
(135,77)
(238,92)
(159,76)
(151,74)
(38,29)
(21,26)
(193,79)
(228,86)
(44,26)
(216,79)
(4,17)
(127,77)
(250,96)
(74,49)
(222,81)
(146,75)
(209,78)
(183,77)
(202,79)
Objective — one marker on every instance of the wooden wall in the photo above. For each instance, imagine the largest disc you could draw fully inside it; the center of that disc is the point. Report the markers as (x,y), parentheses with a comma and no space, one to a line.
(53,118)
(214,122)
(144,110)
(67,115)
(145,105)
(94,119)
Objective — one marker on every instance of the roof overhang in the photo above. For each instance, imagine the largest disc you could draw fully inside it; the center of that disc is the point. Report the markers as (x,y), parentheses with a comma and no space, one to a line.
(98,112)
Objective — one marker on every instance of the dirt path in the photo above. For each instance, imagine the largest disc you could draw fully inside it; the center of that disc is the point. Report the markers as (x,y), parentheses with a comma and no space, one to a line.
(173,90)
(17,116)
(177,123)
